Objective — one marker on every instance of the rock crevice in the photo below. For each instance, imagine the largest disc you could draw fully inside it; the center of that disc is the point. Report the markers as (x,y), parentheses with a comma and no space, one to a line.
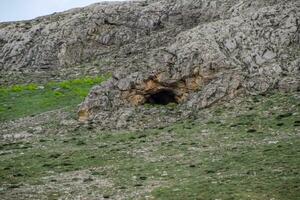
(191,53)
(251,53)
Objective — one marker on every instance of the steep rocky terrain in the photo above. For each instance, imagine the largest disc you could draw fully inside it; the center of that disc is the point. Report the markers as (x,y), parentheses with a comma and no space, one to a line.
(195,53)
(251,48)
(195,99)
(116,33)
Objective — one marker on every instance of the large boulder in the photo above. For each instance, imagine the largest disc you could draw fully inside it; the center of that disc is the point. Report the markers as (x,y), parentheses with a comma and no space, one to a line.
(250,53)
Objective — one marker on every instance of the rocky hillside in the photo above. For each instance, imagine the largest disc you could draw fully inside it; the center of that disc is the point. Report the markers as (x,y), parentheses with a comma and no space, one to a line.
(193,53)
(116,34)
(178,99)
(246,149)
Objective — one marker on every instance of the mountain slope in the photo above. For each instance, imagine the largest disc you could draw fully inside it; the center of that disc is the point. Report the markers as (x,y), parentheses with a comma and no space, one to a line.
(246,149)
(181,99)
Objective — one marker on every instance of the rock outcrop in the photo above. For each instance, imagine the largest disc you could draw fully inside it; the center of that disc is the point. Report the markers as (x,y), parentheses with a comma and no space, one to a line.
(191,53)
(113,34)
(250,53)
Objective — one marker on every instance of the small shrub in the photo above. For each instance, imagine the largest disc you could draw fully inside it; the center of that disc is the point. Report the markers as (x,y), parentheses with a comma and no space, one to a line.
(57,93)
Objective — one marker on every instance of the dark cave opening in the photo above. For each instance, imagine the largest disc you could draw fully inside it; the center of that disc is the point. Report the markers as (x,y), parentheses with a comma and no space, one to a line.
(162,97)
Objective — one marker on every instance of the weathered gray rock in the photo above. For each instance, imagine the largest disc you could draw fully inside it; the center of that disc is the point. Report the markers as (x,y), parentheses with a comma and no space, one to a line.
(120,33)
(193,53)
(252,52)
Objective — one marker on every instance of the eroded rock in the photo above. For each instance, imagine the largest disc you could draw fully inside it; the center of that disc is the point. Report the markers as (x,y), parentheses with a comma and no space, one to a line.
(249,53)
(190,54)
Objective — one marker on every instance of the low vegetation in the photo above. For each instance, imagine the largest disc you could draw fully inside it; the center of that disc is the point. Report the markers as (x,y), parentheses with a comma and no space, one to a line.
(251,151)
(23,100)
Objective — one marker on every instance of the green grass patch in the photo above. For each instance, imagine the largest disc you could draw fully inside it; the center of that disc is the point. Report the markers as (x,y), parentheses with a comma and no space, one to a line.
(238,153)
(24,100)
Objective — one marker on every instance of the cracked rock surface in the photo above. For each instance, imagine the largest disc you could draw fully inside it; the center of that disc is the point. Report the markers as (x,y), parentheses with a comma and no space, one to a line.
(201,51)
(254,51)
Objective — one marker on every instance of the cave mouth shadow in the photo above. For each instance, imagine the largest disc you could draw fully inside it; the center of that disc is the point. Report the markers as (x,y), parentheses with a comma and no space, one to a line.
(162,97)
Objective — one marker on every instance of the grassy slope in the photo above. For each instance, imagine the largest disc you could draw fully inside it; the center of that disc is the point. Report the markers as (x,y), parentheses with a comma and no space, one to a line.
(251,151)
(23,100)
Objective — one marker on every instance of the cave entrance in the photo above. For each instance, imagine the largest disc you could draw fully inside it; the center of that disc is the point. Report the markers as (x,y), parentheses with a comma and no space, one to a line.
(162,97)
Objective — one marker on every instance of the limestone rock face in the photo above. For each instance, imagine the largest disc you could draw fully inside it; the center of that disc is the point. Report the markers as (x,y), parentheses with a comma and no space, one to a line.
(252,52)
(191,53)
(116,33)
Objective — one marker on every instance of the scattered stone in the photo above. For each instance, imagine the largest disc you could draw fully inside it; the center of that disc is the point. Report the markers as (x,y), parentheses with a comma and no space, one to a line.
(17,136)
(164,173)
(68,122)
(37,130)
(273,142)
